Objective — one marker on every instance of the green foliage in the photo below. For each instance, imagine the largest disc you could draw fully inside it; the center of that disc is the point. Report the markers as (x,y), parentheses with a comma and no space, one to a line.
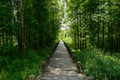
(28,31)
(20,67)
(23,45)
(95,23)
(95,62)
(101,65)
(64,34)
(38,29)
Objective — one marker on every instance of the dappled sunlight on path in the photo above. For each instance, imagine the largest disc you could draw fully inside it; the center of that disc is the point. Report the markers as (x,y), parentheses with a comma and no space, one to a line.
(60,66)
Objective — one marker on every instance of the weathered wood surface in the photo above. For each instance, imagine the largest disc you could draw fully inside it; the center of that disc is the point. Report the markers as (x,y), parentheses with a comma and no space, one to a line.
(60,66)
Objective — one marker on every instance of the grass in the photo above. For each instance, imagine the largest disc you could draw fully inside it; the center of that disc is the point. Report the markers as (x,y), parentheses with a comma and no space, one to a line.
(101,65)
(19,65)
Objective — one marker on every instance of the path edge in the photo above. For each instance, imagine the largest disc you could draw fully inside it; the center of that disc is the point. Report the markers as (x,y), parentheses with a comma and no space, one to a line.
(40,72)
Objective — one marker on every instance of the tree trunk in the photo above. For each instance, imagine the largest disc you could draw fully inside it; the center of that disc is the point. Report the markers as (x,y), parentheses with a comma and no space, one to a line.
(1,41)
(77,25)
(112,39)
(119,32)
(80,34)
(109,42)
(22,31)
(98,35)
(118,39)
(103,35)
(91,29)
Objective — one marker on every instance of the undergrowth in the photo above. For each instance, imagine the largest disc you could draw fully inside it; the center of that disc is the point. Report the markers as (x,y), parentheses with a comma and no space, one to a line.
(18,66)
(101,65)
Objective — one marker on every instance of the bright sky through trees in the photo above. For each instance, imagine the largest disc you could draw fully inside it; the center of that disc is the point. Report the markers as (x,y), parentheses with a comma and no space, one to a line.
(64,23)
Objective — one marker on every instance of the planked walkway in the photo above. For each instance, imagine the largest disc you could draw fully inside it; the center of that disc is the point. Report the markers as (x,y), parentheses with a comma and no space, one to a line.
(61,66)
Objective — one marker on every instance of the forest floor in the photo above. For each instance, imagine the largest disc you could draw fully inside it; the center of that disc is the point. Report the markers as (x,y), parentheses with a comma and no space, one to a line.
(60,66)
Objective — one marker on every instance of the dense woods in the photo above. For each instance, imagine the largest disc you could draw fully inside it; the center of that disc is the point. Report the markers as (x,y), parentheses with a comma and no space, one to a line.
(95,22)
(94,36)
(23,22)
(29,30)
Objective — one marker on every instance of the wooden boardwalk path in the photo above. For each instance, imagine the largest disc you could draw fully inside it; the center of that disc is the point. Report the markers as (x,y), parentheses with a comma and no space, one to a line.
(60,66)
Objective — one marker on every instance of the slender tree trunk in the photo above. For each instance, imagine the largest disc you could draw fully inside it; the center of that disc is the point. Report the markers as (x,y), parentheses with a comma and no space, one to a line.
(37,16)
(99,28)
(77,25)
(103,35)
(74,36)
(98,35)
(75,30)
(109,43)
(90,24)
(80,40)
(23,44)
(38,41)
(85,41)
(1,41)
(119,32)
(112,39)
(80,33)
(17,23)
(0,37)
